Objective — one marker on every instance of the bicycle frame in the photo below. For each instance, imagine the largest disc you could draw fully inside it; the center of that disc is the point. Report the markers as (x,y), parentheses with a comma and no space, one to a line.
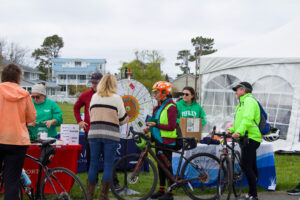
(42,168)
(176,179)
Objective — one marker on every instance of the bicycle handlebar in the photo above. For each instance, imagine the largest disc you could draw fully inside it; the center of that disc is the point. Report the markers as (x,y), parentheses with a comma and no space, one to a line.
(225,135)
(139,134)
(44,142)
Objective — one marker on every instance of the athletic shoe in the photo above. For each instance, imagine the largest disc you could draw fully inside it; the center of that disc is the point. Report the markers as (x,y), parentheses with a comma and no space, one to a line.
(166,196)
(157,194)
(295,191)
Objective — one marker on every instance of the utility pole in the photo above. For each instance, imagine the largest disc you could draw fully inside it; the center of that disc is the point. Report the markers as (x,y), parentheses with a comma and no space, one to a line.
(186,62)
(198,53)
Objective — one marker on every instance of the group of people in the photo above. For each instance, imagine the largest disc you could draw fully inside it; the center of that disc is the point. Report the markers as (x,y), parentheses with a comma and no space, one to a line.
(23,116)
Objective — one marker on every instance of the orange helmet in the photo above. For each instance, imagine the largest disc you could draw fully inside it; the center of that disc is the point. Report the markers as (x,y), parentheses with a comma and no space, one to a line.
(162,86)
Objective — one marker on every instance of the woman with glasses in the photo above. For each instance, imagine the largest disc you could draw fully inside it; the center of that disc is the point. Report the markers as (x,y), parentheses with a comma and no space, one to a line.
(188,107)
(49,115)
(164,133)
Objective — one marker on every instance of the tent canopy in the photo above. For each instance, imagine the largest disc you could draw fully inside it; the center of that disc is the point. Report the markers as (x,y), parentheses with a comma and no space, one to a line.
(279,46)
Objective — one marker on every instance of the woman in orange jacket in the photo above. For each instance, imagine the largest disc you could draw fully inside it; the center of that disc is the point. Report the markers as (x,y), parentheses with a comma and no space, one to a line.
(16,110)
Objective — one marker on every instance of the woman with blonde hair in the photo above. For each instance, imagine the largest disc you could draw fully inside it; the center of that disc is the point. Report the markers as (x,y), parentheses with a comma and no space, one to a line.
(107,113)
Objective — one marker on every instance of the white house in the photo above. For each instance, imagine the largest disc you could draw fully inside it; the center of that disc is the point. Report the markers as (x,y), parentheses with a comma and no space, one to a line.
(67,72)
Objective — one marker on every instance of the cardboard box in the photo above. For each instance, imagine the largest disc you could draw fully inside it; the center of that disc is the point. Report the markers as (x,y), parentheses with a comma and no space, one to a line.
(191,127)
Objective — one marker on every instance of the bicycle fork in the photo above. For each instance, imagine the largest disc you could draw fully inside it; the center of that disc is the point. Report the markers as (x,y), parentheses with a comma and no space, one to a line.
(134,175)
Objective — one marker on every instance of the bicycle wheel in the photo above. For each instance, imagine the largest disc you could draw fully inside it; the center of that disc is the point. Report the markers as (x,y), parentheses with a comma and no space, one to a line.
(136,179)
(224,185)
(237,183)
(62,184)
(203,167)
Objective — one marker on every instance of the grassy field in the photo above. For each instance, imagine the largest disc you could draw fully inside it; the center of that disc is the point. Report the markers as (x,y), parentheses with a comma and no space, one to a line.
(287,166)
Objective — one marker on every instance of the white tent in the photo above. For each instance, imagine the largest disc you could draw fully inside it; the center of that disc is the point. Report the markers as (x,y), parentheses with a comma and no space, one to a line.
(272,64)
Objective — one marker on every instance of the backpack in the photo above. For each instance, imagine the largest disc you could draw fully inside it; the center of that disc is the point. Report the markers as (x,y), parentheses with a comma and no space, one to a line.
(264,126)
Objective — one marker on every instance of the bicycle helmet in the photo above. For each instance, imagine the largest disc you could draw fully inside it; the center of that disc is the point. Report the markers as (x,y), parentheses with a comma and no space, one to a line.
(273,135)
(162,86)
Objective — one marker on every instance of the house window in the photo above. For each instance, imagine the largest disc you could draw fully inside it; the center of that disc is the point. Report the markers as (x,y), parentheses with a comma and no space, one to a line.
(82,77)
(63,77)
(62,88)
(77,63)
(52,91)
(71,77)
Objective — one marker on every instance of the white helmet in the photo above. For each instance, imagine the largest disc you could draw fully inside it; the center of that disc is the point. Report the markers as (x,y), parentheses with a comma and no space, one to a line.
(273,135)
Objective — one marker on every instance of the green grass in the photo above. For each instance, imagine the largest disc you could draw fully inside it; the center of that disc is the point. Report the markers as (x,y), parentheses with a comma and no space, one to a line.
(287,171)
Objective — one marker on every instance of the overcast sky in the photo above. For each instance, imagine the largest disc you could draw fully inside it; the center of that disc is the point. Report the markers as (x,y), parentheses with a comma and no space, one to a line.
(115,29)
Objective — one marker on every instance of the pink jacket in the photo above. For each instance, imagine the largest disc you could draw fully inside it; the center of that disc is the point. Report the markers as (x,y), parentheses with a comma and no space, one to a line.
(16,109)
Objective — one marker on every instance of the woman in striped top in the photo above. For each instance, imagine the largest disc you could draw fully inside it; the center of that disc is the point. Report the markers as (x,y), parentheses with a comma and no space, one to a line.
(107,113)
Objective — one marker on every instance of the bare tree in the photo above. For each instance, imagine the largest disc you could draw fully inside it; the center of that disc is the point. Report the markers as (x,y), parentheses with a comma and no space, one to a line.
(12,52)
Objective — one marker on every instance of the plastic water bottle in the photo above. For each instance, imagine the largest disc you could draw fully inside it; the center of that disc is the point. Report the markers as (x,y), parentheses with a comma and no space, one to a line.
(25,178)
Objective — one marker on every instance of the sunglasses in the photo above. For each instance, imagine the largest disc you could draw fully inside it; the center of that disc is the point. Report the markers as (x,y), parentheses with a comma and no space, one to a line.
(35,97)
(155,93)
(186,94)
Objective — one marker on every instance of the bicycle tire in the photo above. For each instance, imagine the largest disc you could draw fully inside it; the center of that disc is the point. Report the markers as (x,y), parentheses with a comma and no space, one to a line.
(202,165)
(144,184)
(237,183)
(65,185)
(224,185)
(20,191)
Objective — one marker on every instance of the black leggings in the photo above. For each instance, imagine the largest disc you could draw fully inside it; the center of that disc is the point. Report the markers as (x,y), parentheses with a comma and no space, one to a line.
(250,166)
(13,157)
(161,174)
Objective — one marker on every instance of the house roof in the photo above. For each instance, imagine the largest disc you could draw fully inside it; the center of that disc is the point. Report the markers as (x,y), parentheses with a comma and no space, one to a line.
(59,69)
(64,60)
(30,83)
(24,68)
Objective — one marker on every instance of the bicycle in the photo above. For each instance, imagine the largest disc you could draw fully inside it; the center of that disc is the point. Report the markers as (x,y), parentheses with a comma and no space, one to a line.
(230,177)
(58,183)
(137,174)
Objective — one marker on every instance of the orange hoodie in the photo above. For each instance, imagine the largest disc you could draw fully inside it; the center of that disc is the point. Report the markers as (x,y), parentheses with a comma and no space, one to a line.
(16,109)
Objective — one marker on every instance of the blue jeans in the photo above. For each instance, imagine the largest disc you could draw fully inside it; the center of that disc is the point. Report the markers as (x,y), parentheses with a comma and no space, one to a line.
(108,149)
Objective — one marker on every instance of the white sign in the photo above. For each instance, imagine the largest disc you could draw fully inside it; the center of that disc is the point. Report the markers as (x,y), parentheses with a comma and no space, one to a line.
(193,125)
(69,133)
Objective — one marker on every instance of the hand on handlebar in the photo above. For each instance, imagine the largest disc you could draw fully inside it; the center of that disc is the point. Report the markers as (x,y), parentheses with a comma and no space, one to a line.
(146,129)
(235,135)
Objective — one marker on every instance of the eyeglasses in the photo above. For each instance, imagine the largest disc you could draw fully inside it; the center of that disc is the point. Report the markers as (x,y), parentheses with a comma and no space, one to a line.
(35,97)
(186,94)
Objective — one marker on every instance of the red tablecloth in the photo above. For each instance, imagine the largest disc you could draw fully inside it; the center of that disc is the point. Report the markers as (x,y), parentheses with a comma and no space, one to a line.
(66,156)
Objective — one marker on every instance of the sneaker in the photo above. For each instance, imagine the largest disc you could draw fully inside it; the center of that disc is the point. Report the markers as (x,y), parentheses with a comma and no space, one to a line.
(245,197)
(295,191)
(166,196)
(117,187)
(252,198)
(157,194)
